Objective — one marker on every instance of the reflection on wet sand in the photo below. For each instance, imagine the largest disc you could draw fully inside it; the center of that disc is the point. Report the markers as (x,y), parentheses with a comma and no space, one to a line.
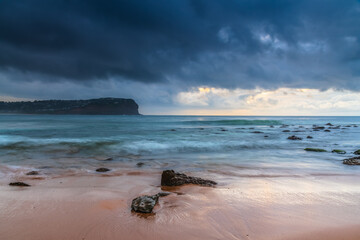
(94,207)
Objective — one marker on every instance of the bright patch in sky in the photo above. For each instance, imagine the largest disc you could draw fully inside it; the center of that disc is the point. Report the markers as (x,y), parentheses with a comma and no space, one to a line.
(282,101)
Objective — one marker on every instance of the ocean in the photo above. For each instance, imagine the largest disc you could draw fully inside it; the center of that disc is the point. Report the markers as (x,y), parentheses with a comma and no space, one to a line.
(240,146)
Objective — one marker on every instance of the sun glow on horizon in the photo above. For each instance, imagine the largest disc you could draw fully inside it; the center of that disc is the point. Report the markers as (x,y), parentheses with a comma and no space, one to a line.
(282,101)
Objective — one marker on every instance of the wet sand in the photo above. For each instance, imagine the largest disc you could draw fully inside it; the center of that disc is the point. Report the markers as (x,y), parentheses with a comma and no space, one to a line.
(97,207)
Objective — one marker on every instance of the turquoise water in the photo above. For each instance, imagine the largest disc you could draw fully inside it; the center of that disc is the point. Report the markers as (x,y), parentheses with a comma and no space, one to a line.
(182,142)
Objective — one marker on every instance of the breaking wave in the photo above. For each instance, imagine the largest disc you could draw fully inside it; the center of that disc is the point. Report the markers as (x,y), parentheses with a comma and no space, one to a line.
(236,122)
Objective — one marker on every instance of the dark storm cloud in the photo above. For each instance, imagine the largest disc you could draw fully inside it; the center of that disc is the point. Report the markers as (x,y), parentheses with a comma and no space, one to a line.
(231,43)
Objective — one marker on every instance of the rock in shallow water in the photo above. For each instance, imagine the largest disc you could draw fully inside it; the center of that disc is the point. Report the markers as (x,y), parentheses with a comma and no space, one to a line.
(19,184)
(338,151)
(315,150)
(352,161)
(172,178)
(145,204)
(357,152)
(293,137)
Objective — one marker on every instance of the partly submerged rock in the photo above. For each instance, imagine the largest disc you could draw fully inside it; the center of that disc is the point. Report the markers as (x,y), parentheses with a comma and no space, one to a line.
(327,130)
(102,170)
(357,152)
(293,137)
(257,132)
(33,173)
(145,204)
(339,151)
(19,184)
(329,124)
(315,150)
(352,161)
(309,137)
(286,131)
(172,178)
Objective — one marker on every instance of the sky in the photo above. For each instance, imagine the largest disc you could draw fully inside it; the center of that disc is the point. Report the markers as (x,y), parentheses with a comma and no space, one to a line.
(197,57)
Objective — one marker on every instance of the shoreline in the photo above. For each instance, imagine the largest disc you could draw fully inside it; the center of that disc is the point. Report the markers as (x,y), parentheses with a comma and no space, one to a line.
(98,207)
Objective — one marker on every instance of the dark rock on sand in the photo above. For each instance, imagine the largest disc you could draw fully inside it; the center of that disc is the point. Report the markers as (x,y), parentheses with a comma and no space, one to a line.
(145,204)
(102,170)
(309,137)
(315,150)
(33,173)
(140,164)
(357,152)
(352,161)
(19,184)
(293,137)
(172,178)
(338,151)
(163,194)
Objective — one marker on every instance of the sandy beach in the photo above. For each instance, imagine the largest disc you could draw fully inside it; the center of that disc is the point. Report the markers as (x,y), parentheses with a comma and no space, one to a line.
(97,206)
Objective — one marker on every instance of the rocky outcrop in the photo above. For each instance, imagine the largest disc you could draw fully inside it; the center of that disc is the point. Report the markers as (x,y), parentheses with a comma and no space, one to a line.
(357,152)
(172,178)
(145,204)
(352,161)
(100,106)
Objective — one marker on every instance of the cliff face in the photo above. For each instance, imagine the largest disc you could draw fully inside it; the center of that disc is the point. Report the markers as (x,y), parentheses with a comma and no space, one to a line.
(100,106)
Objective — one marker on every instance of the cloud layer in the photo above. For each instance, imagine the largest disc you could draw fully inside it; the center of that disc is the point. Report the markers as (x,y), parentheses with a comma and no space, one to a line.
(224,43)
(154,50)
